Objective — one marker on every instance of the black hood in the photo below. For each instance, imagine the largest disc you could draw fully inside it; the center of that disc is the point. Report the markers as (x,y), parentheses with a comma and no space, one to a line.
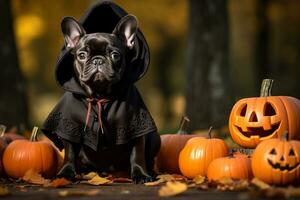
(103,17)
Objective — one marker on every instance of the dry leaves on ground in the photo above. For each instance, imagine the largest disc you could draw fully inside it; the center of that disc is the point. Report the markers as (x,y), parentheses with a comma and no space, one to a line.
(163,178)
(172,188)
(58,183)
(97,180)
(4,191)
(198,180)
(260,184)
(120,180)
(68,193)
(89,176)
(34,177)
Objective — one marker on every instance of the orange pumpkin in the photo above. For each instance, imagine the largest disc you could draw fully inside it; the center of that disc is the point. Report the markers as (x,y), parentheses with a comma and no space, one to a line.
(198,153)
(23,155)
(171,145)
(253,120)
(277,161)
(5,139)
(235,166)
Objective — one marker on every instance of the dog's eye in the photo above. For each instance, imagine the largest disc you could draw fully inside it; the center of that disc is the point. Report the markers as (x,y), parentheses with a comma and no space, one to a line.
(115,56)
(81,56)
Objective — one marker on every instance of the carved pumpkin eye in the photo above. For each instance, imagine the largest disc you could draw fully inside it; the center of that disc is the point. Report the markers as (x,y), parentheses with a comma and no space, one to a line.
(244,110)
(292,153)
(273,152)
(269,110)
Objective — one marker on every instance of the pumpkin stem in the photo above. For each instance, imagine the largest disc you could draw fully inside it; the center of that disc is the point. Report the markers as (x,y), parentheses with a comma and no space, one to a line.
(266,87)
(285,136)
(209,132)
(34,134)
(182,126)
(2,130)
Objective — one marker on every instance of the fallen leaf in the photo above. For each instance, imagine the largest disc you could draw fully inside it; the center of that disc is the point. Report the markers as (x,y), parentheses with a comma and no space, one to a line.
(89,176)
(166,177)
(32,176)
(199,179)
(97,180)
(225,181)
(178,177)
(121,180)
(172,189)
(155,183)
(67,193)
(4,191)
(260,184)
(163,178)
(59,182)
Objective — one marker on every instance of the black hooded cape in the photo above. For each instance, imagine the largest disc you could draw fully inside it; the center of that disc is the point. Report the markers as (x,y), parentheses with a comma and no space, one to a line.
(124,116)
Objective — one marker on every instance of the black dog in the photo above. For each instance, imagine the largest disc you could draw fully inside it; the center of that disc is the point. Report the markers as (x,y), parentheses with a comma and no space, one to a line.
(101,120)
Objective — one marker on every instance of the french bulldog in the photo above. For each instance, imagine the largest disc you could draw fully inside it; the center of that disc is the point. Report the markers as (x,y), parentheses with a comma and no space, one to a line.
(99,65)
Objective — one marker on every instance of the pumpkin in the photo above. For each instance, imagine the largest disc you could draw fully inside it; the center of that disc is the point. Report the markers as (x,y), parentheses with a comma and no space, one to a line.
(11,135)
(277,161)
(256,119)
(171,145)
(5,139)
(198,153)
(23,155)
(61,153)
(3,145)
(235,166)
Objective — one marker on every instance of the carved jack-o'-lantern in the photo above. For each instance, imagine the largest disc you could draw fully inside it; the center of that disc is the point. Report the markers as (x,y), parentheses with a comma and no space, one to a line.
(277,161)
(255,119)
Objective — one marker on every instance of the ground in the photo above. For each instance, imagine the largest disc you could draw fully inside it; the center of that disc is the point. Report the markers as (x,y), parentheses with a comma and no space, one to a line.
(118,191)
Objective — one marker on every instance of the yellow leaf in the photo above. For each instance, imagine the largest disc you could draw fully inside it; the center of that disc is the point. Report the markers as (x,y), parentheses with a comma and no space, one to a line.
(226,181)
(260,184)
(199,179)
(97,180)
(32,176)
(172,189)
(166,177)
(154,183)
(4,191)
(59,182)
(89,176)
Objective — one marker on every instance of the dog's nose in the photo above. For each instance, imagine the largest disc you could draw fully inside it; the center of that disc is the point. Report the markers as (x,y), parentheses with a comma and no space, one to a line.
(98,61)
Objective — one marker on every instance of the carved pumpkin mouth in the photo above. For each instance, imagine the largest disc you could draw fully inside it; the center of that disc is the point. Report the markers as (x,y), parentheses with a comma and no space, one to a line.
(282,168)
(258,131)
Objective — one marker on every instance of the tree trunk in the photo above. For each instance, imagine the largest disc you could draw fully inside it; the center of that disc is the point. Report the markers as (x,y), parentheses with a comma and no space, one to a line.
(207,86)
(13,103)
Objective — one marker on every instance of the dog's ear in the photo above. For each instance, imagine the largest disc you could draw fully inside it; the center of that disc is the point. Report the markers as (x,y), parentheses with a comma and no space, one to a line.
(72,31)
(126,30)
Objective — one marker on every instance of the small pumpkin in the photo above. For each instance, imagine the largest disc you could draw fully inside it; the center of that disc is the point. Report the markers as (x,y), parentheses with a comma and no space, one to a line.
(236,166)
(23,155)
(5,139)
(198,153)
(277,161)
(11,135)
(171,145)
(255,119)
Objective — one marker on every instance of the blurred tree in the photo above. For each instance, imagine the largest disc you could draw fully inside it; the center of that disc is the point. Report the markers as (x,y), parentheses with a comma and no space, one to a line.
(207,87)
(13,102)
(262,42)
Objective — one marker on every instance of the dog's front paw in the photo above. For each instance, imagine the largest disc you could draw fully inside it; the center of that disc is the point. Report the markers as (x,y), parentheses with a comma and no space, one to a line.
(67,171)
(139,176)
